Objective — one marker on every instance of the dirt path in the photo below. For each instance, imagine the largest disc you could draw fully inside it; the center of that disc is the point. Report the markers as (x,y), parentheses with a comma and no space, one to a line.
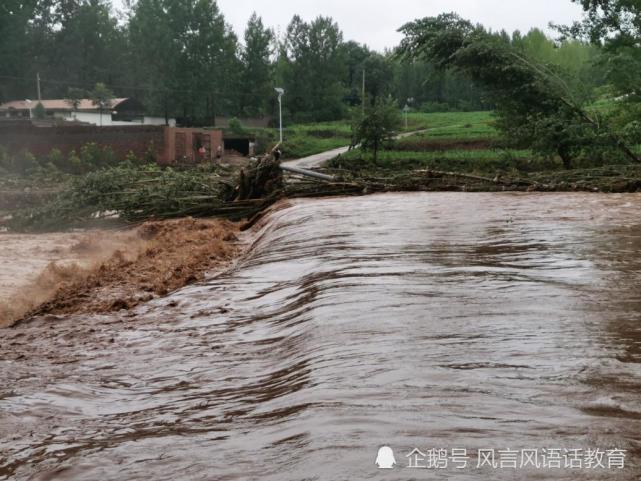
(317,160)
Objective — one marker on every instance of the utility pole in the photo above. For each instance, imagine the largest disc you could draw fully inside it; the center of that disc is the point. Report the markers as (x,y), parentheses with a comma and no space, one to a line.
(363,93)
(38,83)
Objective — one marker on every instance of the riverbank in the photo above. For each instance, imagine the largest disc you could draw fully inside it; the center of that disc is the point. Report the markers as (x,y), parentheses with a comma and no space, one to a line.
(106,271)
(464,152)
(606,179)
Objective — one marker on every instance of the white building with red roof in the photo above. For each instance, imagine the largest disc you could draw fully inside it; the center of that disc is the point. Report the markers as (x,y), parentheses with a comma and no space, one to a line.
(119,111)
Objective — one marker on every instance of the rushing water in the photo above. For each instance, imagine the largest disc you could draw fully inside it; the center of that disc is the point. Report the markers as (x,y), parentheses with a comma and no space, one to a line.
(450,321)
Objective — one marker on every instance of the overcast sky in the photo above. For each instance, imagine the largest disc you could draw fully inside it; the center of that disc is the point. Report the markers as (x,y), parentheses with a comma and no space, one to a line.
(374,22)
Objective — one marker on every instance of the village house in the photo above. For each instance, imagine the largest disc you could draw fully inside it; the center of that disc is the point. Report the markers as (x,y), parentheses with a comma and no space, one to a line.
(120,112)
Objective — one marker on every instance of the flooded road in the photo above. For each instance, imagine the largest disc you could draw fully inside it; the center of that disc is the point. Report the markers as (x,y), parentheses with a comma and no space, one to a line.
(431,321)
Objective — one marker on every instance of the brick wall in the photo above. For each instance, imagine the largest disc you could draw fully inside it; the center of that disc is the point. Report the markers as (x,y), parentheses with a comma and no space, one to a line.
(182,145)
(40,140)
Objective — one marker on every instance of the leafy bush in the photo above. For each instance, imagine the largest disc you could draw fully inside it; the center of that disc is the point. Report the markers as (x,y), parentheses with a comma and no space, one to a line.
(74,163)
(24,162)
(94,156)
(377,128)
(39,111)
(264,140)
(56,158)
(236,127)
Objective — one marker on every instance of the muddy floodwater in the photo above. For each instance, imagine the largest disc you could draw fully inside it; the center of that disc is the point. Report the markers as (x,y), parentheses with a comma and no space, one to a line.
(455,322)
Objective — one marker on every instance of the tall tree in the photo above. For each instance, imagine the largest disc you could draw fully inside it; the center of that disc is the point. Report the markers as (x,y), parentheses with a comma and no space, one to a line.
(354,54)
(74,97)
(610,20)
(379,76)
(534,105)
(257,81)
(187,58)
(378,126)
(18,22)
(615,25)
(313,64)
(153,56)
(88,46)
(101,97)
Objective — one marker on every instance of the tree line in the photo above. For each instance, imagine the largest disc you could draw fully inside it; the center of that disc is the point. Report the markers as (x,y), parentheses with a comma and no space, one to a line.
(182,59)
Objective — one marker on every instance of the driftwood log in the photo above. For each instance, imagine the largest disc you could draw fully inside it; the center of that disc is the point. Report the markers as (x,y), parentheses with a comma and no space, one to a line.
(261,179)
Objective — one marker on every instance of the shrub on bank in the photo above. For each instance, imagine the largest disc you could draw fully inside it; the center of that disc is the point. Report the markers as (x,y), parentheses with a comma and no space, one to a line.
(89,158)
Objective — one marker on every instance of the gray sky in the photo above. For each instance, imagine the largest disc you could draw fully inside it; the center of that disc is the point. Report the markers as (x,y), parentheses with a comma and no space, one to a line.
(374,22)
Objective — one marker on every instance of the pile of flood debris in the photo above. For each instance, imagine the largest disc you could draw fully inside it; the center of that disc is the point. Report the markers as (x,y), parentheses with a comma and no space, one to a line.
(132,194)
(135,194)
(609,179)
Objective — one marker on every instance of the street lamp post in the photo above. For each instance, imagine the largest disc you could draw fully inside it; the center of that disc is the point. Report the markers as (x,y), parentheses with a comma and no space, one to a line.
(280,93)
(406,111)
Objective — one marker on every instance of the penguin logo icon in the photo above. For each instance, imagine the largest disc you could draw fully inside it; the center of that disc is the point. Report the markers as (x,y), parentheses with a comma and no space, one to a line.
(385,458)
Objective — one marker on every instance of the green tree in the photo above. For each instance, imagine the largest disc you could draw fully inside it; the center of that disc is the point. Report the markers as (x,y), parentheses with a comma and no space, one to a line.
(211,64)
(573,59)
(39,111)
(17,25)
(378,126)
(378,77)
(87,45)
(153,56)
(312,65)
(74,97)
(615,21)
(435,89)
(77,42)
(355,55)
(535,107)
(186,58)
(615,27)
(102,97)
(257,84)
(236,126)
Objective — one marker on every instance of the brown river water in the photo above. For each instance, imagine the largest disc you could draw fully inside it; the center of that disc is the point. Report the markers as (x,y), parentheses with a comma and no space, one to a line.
(443,322)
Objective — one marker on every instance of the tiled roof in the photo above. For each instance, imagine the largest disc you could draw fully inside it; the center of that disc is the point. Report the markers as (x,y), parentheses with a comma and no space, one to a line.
(55,104)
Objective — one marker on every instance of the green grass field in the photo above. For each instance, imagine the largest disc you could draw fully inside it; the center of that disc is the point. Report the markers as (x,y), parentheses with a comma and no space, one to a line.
(304,140)
(309,139)
(451,141)
(481,162)
(454,125)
